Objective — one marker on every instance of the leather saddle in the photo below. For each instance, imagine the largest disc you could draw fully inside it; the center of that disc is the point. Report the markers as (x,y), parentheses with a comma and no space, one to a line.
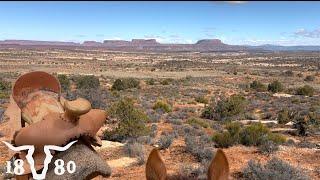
(49,119)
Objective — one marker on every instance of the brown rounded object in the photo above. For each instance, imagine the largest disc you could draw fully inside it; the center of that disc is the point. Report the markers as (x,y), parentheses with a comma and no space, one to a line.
(77,107)
(30,82)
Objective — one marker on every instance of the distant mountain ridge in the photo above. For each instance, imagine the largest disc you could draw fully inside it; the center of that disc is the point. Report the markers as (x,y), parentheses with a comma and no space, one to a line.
(152,45)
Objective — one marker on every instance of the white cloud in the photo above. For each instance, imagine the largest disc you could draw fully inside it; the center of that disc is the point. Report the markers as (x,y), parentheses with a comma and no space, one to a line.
(308,33)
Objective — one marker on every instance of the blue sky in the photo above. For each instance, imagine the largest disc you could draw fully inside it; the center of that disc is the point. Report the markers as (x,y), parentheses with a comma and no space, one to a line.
(254,23)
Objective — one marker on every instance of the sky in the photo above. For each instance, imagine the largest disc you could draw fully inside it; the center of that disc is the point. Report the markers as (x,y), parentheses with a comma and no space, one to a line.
(241,23)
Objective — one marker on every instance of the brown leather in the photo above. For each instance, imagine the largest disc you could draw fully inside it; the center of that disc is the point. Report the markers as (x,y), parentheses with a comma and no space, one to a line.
(34,81)
(219,167)
(49,122)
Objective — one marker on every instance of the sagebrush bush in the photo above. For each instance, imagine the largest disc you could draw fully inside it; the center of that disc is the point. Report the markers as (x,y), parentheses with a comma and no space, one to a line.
(150,81)
(268,147)
(284,116)
(305,90)
(125,83)
(165,141)
(208,113)
(4,85)
(275,87)
(64,82)
(288,73)
(166,81)
(87,82)
(258,86)
(134,149)
(201,99)
(163,106)
(196,121)
(198,147)
(274,169)
(132,121)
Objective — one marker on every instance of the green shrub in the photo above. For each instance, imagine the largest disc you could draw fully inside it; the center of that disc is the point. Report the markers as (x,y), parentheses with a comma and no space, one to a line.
(5,85)
(305,90)
(201,99)
(258,86)
(229,137)
(162,105)
(64,82)
(275,87)
(87,82)
(166,81)
(223,140)
(207,113)
(283,116)
(256,133)
(232,106)
(132,121)
(150,81)
(200,122)
(125,83)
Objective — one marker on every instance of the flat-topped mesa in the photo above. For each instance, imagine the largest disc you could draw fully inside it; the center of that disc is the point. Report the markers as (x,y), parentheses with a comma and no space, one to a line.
(91,43)
(210,42)
(116,43)
(144,42)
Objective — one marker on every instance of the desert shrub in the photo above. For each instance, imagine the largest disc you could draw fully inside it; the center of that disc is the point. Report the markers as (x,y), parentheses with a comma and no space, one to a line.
(153,130)
(5,88)
(208,113)
(166,81)
(256,133)
(95,96)
(165,141)
(125,83)
(187,172)
(134,149)
(305,90)
(306,144)
(258,86)
(198,148)
(131,121)
(200,122)
(232,106)
(268,147)
(163,106)
(174,121)
(223,139)
(87,82)
(229,137)
(309,78)
(150,81)
(288,73)
(5,85)
(274,169)
(64,82)
(275,87)
(145,140)
(201,99)
(283,116)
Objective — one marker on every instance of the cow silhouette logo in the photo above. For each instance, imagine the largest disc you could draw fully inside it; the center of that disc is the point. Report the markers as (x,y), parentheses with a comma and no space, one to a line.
(47,159)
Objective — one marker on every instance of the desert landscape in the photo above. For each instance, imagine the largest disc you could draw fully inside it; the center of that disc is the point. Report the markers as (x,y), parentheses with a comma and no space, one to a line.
(261,106)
